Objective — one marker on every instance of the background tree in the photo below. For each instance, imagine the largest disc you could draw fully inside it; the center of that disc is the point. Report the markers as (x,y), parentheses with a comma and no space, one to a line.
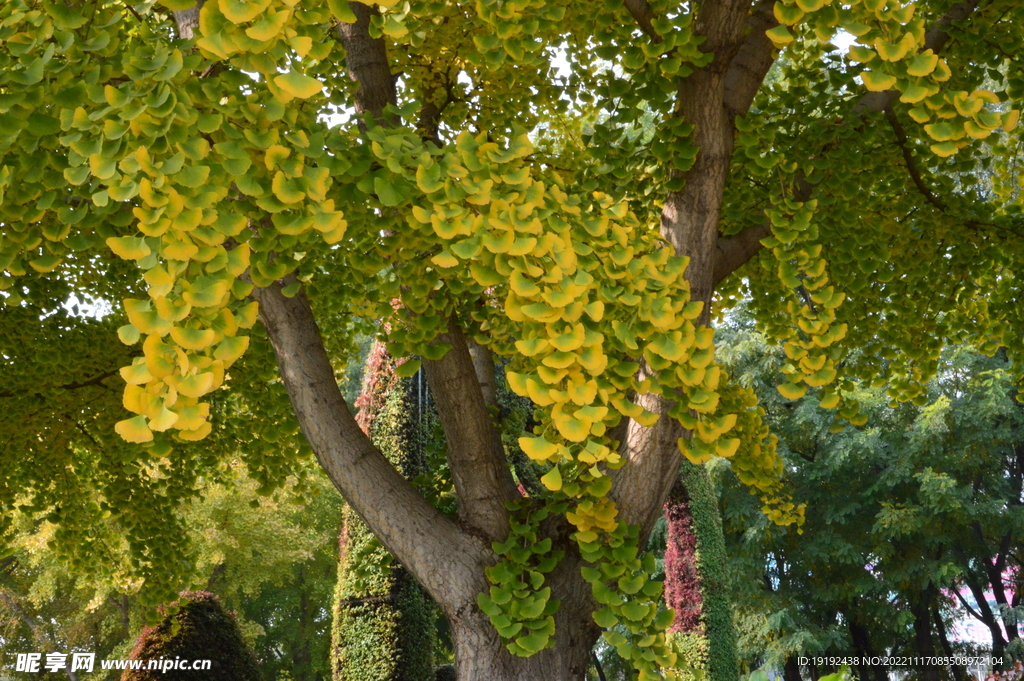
(590,259)
(881,566)
(271,561)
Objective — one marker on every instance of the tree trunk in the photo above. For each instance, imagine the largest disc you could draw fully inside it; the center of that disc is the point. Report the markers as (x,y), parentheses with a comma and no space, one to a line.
(924,643)
(791,670)
(861,638)
(959,674)
(480,656)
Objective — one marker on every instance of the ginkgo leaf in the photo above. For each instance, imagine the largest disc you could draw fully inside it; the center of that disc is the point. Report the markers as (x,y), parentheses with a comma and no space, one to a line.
(134,430)
(163,420)
(408,369)
(445,259)
(269,27)
(780,36)
(537,448)
(792,391)
(922,64)
(298,85)
(574,430)
(552,479)
(193,339)
(196,385)
(341,10)
(231,348)
(876,81)
(129,247)
(241,11)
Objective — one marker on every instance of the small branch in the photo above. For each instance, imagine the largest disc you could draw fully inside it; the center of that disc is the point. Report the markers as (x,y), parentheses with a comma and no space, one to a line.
(644,16)
(908,160)
(12,602)
(935,39)
(132,10)
(95,381)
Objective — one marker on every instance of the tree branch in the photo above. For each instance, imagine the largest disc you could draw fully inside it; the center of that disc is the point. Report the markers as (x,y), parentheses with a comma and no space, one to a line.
(935,39)
(732,252)
(753,60)
(366,60)
(971,611)
(441,557)
(476,457)
(11,601)
(653,460)
(908,159)
(644,15)
(75,385)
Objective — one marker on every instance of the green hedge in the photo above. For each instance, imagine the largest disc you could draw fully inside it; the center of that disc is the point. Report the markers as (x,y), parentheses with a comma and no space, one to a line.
(722,663)
(200,630)
(384,623)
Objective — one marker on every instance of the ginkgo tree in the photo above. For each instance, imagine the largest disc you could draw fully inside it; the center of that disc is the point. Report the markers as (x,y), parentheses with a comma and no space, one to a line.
(479,202)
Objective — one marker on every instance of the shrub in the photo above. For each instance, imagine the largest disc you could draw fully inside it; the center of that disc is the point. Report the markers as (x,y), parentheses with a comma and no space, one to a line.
(198,629)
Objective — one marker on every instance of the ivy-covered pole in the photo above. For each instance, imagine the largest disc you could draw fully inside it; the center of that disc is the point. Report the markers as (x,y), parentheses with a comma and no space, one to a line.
(384,623)
(695,579)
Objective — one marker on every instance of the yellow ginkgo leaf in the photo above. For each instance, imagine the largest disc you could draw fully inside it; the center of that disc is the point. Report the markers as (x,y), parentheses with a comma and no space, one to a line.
(298,85)
(792,391)
(552,479)
(134,430)
(537,448)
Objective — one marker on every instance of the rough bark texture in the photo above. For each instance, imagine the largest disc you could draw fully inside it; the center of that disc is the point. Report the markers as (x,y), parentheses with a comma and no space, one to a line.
(476,456)
(188,21)
(366,60)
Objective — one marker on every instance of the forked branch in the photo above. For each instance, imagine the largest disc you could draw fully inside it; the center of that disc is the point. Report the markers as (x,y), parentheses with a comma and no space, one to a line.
(428,544)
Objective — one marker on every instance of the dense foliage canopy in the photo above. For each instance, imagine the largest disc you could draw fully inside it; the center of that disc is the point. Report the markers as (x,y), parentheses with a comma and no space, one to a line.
(429,172)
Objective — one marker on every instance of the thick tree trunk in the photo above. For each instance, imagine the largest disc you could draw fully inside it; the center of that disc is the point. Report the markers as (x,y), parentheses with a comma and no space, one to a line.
(480,656)
(791,670)
(959,673)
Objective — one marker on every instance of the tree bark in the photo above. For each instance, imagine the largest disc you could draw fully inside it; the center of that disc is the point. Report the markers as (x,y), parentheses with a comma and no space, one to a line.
(959,674)
(861,638)
(791,670)
(924,642)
